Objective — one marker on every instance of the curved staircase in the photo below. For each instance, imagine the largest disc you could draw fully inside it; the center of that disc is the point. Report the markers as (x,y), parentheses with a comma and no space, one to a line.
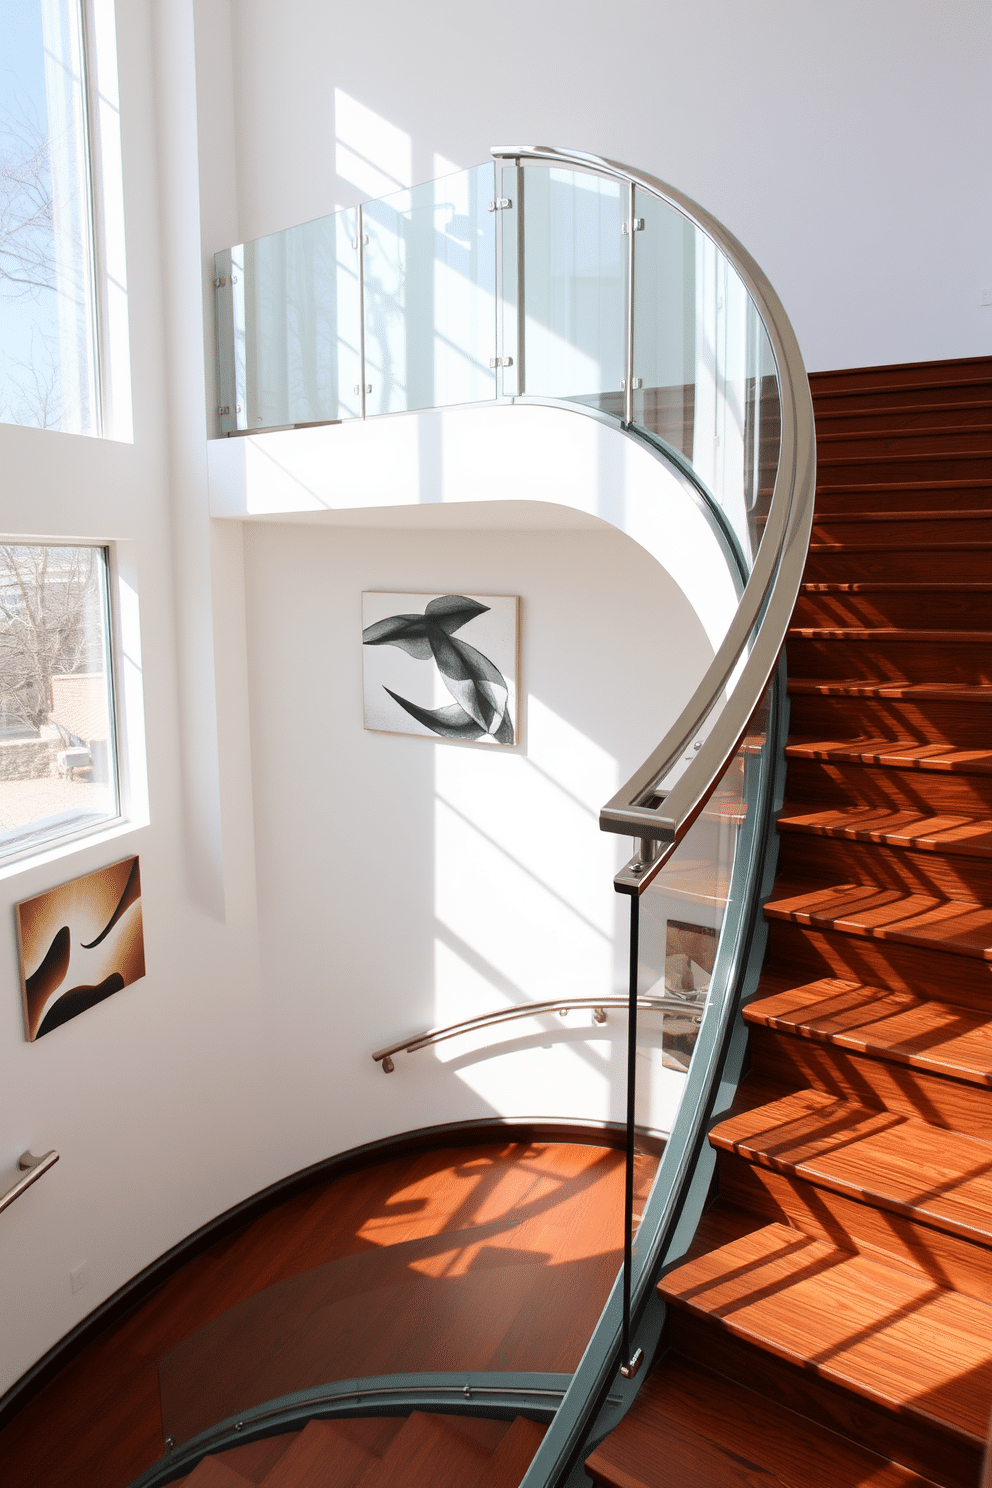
(832,1323)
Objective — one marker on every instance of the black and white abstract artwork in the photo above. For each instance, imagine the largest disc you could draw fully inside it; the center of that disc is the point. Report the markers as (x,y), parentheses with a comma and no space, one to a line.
(441,665)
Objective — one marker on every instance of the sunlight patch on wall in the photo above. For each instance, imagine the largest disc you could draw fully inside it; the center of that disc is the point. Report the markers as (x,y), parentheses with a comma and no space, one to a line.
(370,152)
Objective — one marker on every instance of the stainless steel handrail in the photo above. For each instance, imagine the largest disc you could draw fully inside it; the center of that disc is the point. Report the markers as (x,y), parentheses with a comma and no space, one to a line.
(527,1010)
(31,1169)
(770,593)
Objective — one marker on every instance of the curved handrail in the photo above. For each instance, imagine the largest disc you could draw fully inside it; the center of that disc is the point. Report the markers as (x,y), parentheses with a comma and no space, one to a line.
(30,1169)
(770,593)
(527,1010)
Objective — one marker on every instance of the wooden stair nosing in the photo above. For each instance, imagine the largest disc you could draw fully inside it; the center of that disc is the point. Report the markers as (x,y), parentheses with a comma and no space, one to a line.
(711,1432)
(966,836)
(889,634)
(898,1027)
(894,754)
(954,927)
(938,514)
(948,692)
(863,1325)
(940,1180)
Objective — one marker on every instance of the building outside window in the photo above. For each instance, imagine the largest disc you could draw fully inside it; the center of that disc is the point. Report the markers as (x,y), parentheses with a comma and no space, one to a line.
(58,765)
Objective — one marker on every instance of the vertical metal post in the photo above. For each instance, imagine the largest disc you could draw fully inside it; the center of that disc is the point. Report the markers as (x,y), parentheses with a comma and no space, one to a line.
(361,305)
(629,1365)
(628,382)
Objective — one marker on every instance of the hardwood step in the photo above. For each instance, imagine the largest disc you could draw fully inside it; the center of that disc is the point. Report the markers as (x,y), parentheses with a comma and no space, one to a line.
(430,1452)
(934,1177)
(962,658)
(967,835)
(888,442)
(854,846)
(324,1455)
(711,1432)
(900,754)
(960,927)
(839,781)
(255,1459)
(931,377)
(845,1318)
(853,468)
(898,1027)
(213,1474)
(949,607)
(969,409)
(850,530)
(904,496)
(944,561)
(958,723)
(513,1456)
(807,953)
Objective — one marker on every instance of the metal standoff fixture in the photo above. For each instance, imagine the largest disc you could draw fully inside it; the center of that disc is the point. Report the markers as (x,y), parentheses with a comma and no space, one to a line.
(30,1169)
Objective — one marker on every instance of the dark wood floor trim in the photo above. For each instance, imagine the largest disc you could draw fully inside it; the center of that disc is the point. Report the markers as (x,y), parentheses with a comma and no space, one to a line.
(387,1149)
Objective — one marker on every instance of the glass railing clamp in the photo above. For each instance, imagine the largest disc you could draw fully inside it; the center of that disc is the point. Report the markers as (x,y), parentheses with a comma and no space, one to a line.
(629,1370)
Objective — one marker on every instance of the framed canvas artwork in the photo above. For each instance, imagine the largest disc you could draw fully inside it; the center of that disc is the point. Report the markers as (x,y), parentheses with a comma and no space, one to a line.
(79,943)
(441,665)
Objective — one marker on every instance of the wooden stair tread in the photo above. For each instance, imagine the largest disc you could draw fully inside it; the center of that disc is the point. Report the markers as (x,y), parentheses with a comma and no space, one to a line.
(885,1334)
(711,1432)
(946,833)
(853,687)
(512,1456)
(896,545)
(887,586)
(213,1474)
(952,514)
(930,1175)
(960,926)
(900,754)
(895,1026)
(324,1455)
(889,633)
(429,1453)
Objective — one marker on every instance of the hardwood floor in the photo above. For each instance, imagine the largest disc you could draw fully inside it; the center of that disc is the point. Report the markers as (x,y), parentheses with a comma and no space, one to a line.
(832,1322)
(536,1227)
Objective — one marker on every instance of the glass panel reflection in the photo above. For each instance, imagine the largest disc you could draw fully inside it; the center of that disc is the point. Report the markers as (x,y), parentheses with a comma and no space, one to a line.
(709,383)
(297,325)
(574,285)
(430,294)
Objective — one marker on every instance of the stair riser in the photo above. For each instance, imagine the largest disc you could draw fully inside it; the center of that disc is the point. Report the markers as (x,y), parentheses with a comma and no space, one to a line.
(796,1062)
(817,859)
(843,1221)
(808,954)
(906,565)
(906,499)
(881,443)
(960,611)
(928,720)
(815,785)
(967,411)
(931,380)
(918,1445)
(834,469)
(919,532)
(965,662)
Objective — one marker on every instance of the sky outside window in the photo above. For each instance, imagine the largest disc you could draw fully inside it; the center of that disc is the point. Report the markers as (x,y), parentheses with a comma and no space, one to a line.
(47,322)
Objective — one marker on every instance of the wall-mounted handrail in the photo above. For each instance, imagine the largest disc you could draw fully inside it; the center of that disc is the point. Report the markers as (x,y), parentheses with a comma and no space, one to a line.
(30,1169)
(769,597)
(529,1010)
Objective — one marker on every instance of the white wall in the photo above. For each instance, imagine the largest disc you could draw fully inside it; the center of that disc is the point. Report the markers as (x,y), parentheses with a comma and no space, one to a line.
(151,1098)
(846,144)
(406,882)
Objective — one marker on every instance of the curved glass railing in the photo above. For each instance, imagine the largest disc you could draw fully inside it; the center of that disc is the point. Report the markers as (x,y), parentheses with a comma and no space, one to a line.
(547,277)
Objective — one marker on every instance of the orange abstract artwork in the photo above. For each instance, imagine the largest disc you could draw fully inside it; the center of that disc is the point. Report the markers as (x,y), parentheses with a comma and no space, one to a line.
(79,944)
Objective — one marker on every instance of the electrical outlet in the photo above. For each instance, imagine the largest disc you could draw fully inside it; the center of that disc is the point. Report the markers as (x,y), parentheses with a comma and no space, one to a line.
(79,1276)
(985,295)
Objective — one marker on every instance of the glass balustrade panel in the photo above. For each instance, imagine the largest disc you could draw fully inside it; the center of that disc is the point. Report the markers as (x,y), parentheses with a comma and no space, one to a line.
(708,381)
(430,294)
(574,286)
(681,919)
(294,303)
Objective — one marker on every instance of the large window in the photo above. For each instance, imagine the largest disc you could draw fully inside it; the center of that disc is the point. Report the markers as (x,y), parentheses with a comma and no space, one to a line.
(58,756)
(57,283)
